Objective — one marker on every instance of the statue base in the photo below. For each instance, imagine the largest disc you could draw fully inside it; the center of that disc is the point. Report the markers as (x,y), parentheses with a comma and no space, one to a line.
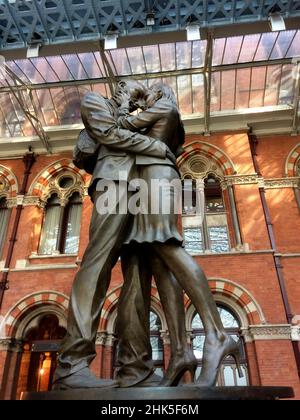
(191,393)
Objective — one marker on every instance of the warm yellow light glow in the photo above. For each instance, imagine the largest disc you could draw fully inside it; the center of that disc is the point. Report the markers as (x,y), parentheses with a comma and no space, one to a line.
(42,371)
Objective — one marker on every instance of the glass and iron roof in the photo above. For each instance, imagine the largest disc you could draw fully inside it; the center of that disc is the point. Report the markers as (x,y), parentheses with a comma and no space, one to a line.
(53,22)
(210,78)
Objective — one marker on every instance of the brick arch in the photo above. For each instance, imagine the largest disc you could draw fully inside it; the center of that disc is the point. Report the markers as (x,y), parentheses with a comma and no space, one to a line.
(112,300)
(43,179)
(30,303)
(210,151)
(291,162)
(239,296)
(11,181)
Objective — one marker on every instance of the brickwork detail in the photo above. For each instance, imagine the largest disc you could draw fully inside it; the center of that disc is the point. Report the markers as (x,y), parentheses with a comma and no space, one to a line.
(210,159)
(29,302)
(292,167)
(8,183)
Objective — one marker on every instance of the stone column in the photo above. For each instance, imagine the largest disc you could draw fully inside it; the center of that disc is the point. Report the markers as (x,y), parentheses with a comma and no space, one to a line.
(10,359)
(24,370)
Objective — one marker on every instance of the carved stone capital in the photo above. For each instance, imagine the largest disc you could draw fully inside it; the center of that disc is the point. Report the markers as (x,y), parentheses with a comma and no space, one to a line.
(267,332)
(165,337)
(11,345)
(296,333)
(105,339)
(231,180)
(277,183)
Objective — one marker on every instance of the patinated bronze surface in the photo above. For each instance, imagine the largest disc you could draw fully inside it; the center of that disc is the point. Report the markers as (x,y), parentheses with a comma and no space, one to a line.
(140,146)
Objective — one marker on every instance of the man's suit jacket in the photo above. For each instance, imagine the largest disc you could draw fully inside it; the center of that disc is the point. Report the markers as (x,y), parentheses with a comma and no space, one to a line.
(119,148)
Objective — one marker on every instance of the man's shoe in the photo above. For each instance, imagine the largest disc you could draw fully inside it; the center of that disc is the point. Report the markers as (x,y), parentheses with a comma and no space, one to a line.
(152,381)
(84,379)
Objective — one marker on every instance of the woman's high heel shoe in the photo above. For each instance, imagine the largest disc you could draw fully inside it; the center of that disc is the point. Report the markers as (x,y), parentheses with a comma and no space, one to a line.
(178,366)
(214,355)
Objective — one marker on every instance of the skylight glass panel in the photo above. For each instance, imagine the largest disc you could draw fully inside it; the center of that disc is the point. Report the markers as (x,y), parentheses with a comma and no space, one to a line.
(60,68)
(185,94)
(120,61)
(152,59)
(184,55)
(90,65)
(137,60)
(294,50)
(198,53)
(232,50)
(249,47)
(283,44)
(167,57)
(266,46)
(75,66)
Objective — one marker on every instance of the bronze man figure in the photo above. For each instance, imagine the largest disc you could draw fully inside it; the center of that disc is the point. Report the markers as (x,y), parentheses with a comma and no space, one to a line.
(160,233)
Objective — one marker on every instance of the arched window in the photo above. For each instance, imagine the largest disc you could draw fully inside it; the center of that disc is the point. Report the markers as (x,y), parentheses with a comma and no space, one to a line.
(4,218)
(228,375)
(43,343)
(157,343)
(61,227)
(211,232)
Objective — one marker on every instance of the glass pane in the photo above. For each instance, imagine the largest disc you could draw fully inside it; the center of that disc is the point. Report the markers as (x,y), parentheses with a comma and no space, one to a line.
(193,240)
(197,323)
(265,46)
(283,44)
(50,232)
(198,53)
(232,50)
(216,91)
(90,65)
(4,216)
(167,57)
(294,50)
(219,47)
(75,66)
(198,93)
(227,93)
(258,78)
(228,376)
(272,85)
(243,88)
(219,239)
(198,346)
(184,55)
(287,85)
(155,322)
(121,63)
(249,47)
(136,58)
(42,65)
(73,229)
(60,68)
(185,94)
(152,59)
(228,320)
(157,348)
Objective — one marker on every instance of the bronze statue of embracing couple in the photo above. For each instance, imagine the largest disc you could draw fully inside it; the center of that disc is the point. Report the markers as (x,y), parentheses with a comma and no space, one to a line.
(142,146)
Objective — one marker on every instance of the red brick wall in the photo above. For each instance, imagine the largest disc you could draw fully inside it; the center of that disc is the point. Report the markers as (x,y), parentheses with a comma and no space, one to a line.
(270,362)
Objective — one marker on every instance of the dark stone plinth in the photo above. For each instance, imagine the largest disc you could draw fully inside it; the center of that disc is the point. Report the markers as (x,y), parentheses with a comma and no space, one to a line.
(165,394)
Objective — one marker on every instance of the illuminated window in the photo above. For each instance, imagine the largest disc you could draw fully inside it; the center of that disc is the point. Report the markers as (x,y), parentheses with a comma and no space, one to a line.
(228,374)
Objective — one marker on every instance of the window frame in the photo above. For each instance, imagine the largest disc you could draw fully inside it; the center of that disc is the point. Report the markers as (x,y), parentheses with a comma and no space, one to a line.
(64,218)
(7,214)
(229,361)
